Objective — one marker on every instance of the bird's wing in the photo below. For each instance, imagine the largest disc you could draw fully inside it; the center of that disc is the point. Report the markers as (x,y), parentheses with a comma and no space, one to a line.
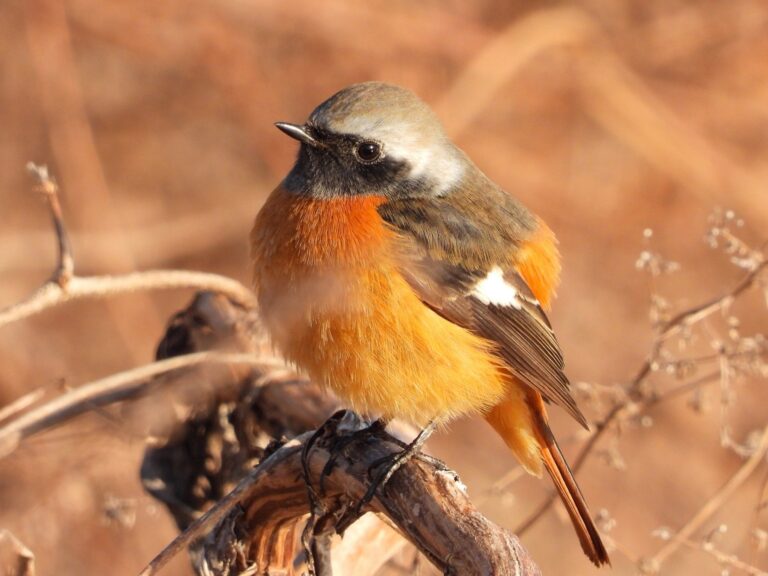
(489,297)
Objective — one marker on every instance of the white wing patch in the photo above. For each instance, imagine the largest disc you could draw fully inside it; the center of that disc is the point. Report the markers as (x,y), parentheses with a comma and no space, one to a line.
(438,163)
(493,289)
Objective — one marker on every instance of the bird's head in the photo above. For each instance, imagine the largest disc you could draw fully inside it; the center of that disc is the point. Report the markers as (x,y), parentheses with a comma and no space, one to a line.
(373,139)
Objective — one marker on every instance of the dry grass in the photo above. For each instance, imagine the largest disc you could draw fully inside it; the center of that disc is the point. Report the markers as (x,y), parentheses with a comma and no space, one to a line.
(605,117)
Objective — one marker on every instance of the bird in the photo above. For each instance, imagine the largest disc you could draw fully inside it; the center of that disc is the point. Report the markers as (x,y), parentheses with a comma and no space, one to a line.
(392,270)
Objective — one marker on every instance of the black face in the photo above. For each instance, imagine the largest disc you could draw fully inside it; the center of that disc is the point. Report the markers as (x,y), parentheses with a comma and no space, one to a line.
(347,165)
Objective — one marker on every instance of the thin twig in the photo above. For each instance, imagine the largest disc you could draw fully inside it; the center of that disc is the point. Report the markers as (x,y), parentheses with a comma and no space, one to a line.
(482,78)
(519,472)
(52,294)
(47,186)
(762,502)
(615,96)
(21,404)
(697,313)
(714,503)
(64,286)
(600,429)
(680,390)
(728,559)
(111,389)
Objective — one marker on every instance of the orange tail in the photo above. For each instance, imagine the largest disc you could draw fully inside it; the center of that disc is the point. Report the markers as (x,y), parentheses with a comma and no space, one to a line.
(574,501)
(522,423)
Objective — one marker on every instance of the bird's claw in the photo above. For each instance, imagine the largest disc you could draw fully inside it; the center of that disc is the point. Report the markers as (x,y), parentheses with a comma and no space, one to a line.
(340,446)
(382,476)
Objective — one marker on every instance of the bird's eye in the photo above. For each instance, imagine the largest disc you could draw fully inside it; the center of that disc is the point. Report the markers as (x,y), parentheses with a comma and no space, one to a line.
(368,152)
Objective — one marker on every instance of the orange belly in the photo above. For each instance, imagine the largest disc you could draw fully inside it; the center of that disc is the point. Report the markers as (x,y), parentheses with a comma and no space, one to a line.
(335,305)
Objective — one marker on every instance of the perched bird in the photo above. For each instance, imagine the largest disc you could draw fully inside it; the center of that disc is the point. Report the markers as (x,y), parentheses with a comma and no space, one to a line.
(392,270)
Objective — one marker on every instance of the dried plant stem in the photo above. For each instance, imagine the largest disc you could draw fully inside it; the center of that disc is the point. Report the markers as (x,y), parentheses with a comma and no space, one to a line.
(681,389)
(64,286)
(600,429)
(714,503)
(760,505)
(526,38)
(114,388)
(48,188)
(726,559)
(21,404)
(51,294)
(617,97)
(700,312)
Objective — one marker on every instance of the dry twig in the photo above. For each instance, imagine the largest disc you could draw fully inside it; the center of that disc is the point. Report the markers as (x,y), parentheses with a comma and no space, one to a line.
(21,404)
(106,391)
(64,286)
(654,563)
(725,559)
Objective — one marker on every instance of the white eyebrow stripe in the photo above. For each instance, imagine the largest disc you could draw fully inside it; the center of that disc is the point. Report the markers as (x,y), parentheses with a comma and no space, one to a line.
(431,156)
(494,289)
(441,166)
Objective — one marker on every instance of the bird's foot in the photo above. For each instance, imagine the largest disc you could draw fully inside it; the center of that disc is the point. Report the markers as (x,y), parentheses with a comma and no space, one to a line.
(384,468)
(314,536)
(341,445)
(325,427)
(438,464)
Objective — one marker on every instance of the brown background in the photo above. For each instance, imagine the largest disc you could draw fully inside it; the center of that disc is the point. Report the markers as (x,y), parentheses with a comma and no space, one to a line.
(604,116)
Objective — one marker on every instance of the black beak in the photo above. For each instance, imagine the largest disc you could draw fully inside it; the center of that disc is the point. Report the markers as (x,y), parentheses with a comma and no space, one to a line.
(297,132)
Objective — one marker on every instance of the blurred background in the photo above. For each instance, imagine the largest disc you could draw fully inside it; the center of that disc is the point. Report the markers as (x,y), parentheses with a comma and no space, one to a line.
(609,118)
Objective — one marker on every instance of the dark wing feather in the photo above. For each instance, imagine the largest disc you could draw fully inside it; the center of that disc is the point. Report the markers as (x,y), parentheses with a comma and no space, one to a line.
(525,341)
(523,335)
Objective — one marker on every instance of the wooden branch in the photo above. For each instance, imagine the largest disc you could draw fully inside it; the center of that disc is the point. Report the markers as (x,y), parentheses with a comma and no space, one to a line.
(426,504)
(237,519)
(697,313)
(52,294)
(724,559)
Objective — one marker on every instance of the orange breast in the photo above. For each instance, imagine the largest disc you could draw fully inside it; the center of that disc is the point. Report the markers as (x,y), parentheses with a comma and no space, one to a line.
(336,305)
